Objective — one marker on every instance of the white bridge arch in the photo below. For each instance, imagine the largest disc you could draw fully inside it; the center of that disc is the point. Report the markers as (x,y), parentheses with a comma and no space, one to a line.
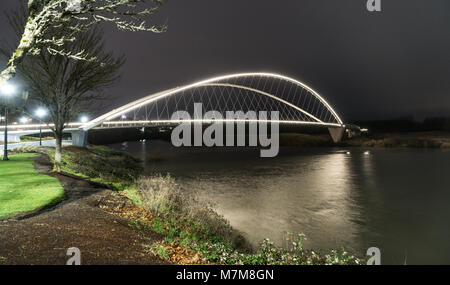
(296,102)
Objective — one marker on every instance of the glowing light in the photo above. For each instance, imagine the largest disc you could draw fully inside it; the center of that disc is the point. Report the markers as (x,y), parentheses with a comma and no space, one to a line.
(123,117)
(41,112)
(84,119)
(23,120)
(7,89)
(154,97)
(209,121)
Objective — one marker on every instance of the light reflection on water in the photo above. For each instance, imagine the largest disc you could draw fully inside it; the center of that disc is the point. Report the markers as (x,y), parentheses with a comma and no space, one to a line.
(396,200)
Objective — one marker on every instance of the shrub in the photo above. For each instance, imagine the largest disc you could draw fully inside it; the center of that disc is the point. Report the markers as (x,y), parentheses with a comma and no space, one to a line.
(163,197)
(26,149)
(114,168)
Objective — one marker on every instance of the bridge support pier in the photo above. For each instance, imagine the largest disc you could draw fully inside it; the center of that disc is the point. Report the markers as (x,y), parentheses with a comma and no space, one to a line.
(336,133)
(79,138)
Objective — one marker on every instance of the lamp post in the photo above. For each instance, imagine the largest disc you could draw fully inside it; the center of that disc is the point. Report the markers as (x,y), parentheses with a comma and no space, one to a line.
(7,90)
(41,113)
(5,140)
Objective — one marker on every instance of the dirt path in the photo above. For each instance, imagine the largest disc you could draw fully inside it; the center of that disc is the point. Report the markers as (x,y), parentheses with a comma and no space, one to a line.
(43,237)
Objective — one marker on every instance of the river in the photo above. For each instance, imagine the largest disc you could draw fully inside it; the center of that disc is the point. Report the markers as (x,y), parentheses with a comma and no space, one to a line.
(395,199)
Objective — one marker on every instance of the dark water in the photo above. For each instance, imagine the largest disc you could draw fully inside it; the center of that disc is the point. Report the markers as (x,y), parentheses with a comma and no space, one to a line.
(397,200)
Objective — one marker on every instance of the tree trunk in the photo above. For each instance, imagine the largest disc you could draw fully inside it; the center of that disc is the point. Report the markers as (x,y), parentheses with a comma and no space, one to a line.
(58,151)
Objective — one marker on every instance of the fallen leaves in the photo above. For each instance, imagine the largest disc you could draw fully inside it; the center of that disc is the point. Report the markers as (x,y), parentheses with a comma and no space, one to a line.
(128,211)
(179,254)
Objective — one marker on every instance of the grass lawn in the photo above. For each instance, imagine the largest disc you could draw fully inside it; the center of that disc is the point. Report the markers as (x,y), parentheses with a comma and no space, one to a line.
(23,189)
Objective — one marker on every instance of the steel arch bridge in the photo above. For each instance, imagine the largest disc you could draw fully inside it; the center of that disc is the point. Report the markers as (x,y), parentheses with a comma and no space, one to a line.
(296,103)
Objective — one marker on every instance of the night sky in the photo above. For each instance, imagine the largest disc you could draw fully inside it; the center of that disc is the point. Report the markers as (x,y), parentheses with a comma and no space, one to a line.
(367,65)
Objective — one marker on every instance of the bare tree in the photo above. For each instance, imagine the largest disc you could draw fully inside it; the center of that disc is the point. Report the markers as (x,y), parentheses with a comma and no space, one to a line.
(66,86)
(77,16)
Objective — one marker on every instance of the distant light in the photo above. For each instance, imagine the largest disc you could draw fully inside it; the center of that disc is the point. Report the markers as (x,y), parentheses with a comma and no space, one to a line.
(23,120)
(366,152)
(347,152)
(41,112)
(7,89)
(123,117)
(84,119)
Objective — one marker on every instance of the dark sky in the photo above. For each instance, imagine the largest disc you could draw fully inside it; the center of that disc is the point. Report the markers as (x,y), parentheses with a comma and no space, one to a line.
(367,65)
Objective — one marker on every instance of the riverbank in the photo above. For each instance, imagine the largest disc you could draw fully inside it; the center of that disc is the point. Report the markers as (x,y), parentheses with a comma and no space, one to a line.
(196,234)
(388,140)
(193,232)
(334,195)
(172,227)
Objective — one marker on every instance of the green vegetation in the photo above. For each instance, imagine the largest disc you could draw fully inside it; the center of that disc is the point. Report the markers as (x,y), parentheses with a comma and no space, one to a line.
(28,138)
(34,138)
(115,169)
(23,189)
(195,233)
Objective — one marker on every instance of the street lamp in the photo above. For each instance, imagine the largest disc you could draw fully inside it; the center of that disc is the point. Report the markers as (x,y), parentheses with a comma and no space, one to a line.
(7,90)
(23,120)
(40,113)
(84,119)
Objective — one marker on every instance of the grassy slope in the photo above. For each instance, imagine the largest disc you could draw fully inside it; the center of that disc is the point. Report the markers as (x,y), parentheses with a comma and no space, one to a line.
(116,169)
(23,189)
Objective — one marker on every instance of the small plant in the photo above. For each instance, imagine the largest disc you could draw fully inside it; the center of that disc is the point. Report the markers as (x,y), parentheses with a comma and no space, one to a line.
(118,170)
(26,149)
(161,251)
(298,245)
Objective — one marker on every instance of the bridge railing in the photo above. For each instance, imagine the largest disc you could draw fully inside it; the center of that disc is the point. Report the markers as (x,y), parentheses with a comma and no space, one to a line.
(143,123)
(26,127)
